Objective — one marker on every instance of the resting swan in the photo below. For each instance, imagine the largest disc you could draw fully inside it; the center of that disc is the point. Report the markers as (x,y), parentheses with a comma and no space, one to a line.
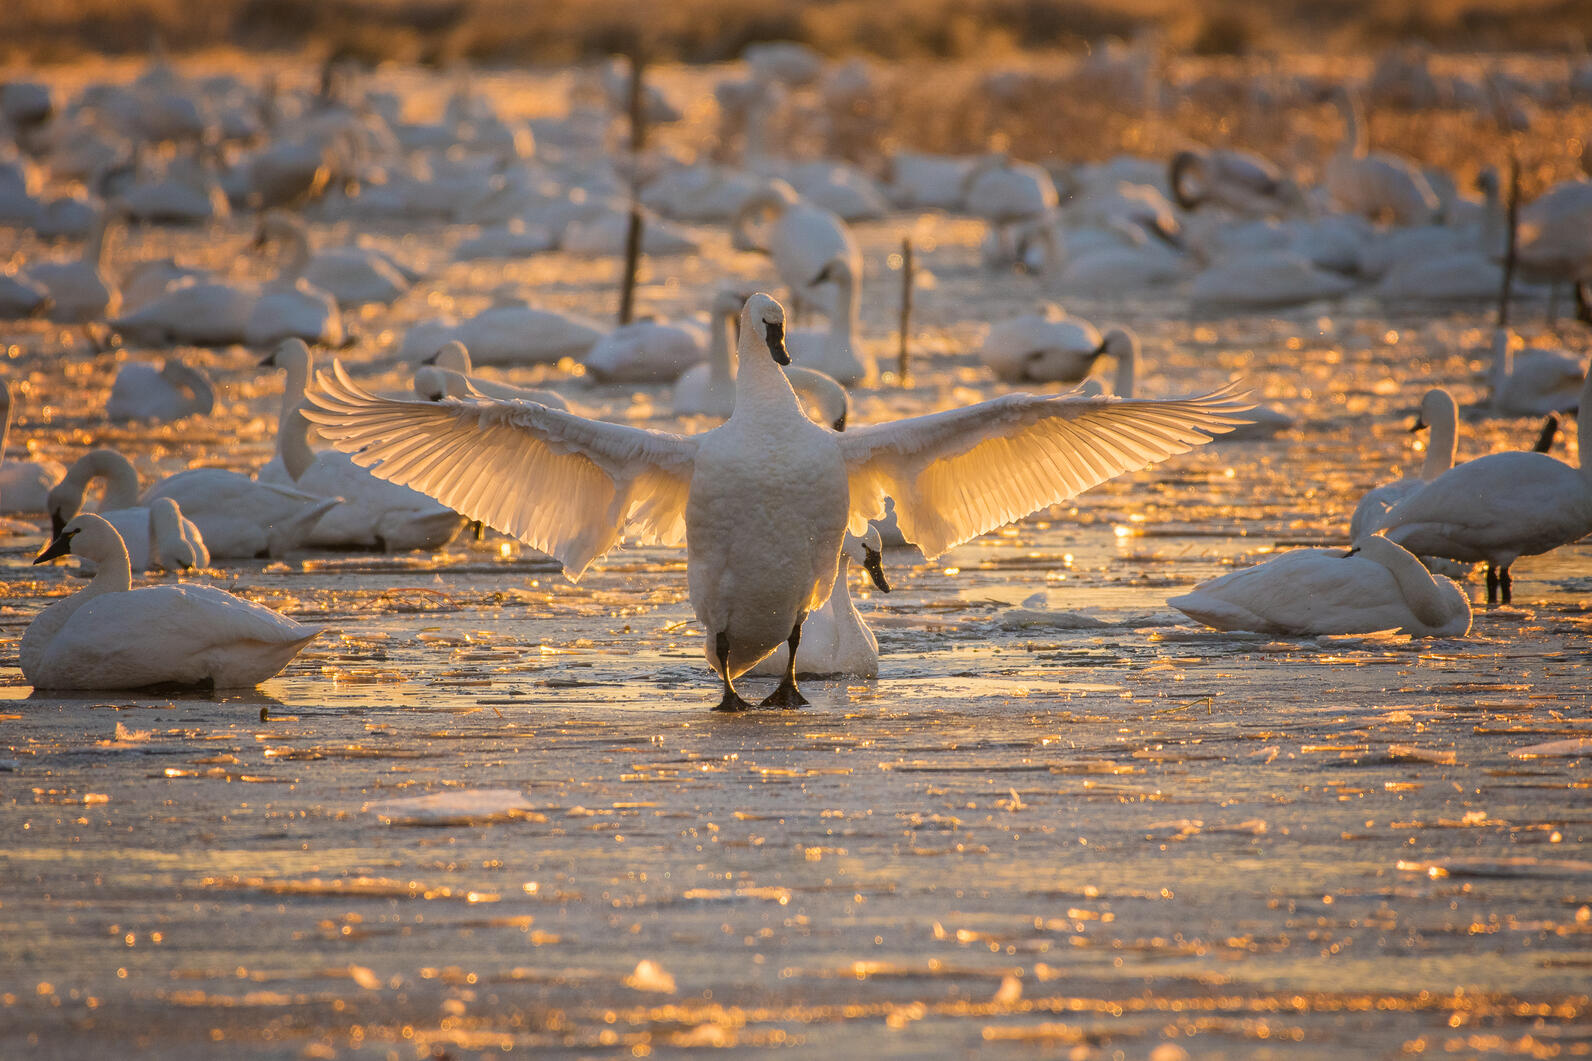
(174,390)
(801,238)
(1047,347)
(1532,382)
(836,351)
(351,275)
(1308,592)
(446,374)
(1501,507)
(111,636)
(762,501)
(24,485)
(120,506)
(835,640)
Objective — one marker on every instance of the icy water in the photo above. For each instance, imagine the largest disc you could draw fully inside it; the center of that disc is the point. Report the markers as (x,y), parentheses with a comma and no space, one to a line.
(489,812)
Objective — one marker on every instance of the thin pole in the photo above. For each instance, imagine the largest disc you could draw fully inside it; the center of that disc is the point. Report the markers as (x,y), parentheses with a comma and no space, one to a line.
(902,375)
(638,137)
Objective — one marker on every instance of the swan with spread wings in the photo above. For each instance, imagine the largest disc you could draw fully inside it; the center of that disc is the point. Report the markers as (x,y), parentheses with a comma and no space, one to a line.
(762,501)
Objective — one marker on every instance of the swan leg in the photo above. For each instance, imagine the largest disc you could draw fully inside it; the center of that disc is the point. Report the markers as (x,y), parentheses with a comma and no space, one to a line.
(732,700)
(787,695)
(1505,582)
(1492,584)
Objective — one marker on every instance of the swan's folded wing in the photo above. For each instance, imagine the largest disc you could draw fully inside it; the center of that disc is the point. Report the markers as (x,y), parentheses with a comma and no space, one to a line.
(958,474)
(559,482)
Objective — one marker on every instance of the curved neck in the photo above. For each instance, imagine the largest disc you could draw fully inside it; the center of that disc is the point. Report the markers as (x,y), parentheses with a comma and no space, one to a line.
(1420,590)
(1440,448)
(98,238)
(185,376)
(1354,142)
(293,443)
(121,480)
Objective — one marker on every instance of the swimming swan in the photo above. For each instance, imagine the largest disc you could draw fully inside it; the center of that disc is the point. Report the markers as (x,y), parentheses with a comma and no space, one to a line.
(1501,507)
(111,636)
(763,500)
(1307,592)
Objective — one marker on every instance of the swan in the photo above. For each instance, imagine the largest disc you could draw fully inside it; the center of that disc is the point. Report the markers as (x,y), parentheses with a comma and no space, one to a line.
(1532,382)
(111,636)
(761,501)
(708,389)
(836,351)
(175,543)
(646,352)
(174,390)
(1501,507)
(924,182)
(197,312)
(446,374)
(1441,415)
(352,275)
(1555,238)
(370,513)
(1047,346)
(835,640)
(513,239)
(1005,193)
(605,232)
(1375,185)
(24,485)
(1376,586)
(149,541)
(801,238)
(1240,181)
(1265,280)
(510,333)
(1122,346)
(79,290)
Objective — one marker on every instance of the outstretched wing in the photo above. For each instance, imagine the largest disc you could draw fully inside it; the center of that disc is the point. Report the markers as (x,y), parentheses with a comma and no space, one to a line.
(956,474)
(556,481)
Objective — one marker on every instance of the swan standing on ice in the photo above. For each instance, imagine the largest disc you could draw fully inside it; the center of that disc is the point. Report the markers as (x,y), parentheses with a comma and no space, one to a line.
(24,485)
(174,390)
(1501,507)
(111,636)
(1441,415)
(763,500)
(1308,592)
(835,640)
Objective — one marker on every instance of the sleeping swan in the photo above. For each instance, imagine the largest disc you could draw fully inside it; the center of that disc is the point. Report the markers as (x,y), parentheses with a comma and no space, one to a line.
(1305,592)
(835,640)
(111,636)
(762,501)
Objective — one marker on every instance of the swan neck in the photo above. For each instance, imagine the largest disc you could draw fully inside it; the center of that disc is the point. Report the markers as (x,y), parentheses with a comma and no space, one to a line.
(121,479)
(721,364)
(1354,142)
(1127,371)
(758,378)
(298,380)
(197,383)
(98,238)
(1423,593)
(293,444)
(115,572)
(1442,445)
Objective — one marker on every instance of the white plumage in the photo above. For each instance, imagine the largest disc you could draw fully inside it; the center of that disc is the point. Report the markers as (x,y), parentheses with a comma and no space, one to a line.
(1441,415)
(1308,592)
(24,485)
(175,389)
(762,500)
(111,636)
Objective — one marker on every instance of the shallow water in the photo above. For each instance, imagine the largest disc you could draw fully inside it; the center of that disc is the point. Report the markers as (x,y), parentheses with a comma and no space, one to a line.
(488,811)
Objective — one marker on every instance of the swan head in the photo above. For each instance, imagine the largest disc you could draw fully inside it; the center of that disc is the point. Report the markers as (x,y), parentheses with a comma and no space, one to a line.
(868,550)
(1437,406)
(451,355)
(430,384)
(1186,177)
(835,271)
(85,535)
(288,354)
(763,316)
(63,502)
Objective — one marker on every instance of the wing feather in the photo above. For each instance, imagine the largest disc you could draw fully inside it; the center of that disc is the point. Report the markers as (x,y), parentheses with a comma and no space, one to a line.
(957,474)
(558,482)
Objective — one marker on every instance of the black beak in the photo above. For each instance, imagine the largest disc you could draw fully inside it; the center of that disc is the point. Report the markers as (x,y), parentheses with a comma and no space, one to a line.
(1351,552)
(269,360)
(432,360)
(1419,425)
(59,547)
(774,332)
(57,521)
(840,422)
(824,275)
(873,563)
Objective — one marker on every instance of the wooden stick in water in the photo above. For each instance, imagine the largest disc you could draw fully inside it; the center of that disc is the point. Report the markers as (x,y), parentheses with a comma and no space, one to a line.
(638,136)
(902,375)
